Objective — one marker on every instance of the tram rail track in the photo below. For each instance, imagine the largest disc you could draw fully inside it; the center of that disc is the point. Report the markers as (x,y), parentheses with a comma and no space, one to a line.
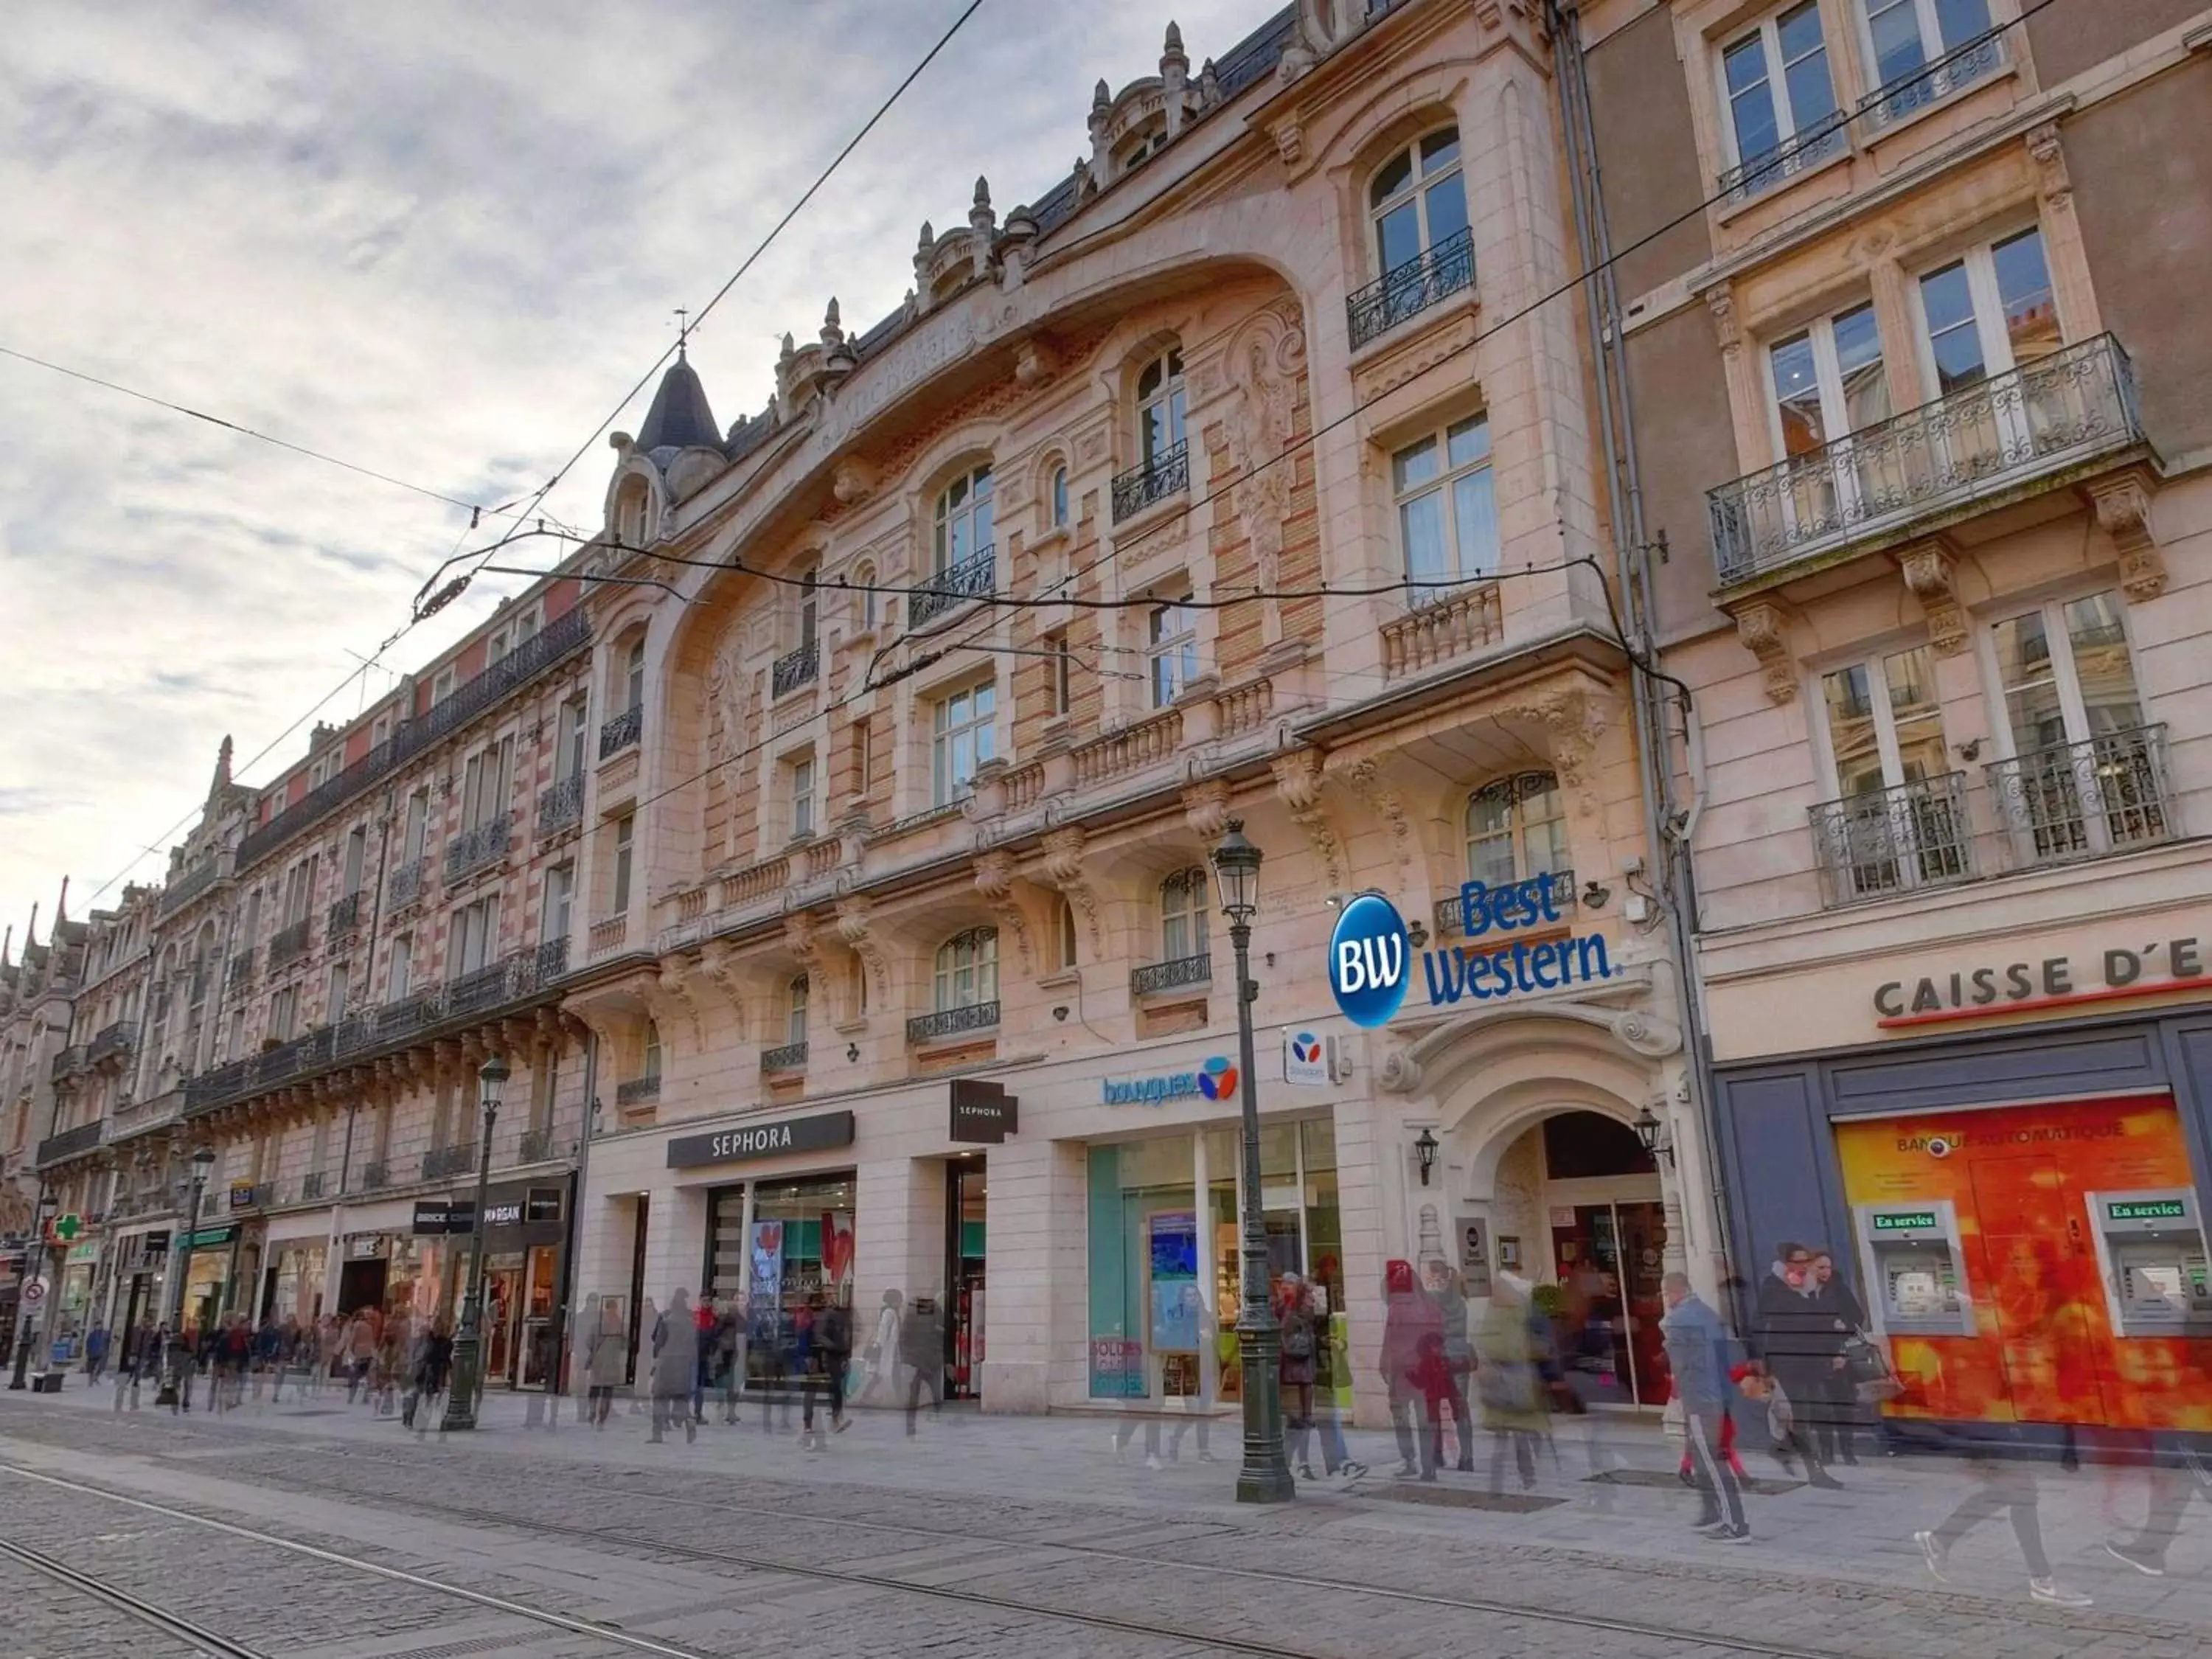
(201,1640)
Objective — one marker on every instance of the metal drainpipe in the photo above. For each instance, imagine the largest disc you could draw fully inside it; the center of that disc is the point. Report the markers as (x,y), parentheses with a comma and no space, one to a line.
(334,1255)
(575,1242)
(1624,495)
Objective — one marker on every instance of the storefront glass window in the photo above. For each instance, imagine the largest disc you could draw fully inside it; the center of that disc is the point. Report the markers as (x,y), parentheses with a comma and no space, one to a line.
(801,1245)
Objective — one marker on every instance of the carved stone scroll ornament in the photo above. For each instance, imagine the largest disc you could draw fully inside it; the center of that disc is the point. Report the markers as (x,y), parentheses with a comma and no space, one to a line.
(671,994)
(1400,1074)
(1063,869)
(855,926)
(2123,504)
(1205,809)
(1927,569)
(1763,628)
(718,962)
(994,880)
(1365,781)
(1298,782)
(1646,1034)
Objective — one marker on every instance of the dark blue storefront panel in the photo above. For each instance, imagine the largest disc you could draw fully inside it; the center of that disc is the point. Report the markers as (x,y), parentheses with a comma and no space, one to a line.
(1997,1068)
(1782,1175)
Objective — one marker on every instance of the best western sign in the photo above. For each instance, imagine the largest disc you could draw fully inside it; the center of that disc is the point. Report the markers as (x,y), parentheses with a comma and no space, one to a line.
(756,1141)
(1370,955)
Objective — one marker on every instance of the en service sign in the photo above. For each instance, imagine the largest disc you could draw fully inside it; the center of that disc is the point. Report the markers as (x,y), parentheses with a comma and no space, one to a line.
(797,1134)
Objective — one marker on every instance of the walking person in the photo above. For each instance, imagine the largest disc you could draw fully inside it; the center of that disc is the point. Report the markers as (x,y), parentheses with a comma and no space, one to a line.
(430,1367)
(921,1348)
(1512,1345)
(727,1364)
(1697,1345)
(1447,1289)
(1407,1317)
(603,1358)
(1798,1343)
(1296,1364)
(95,1351)
(704,1318)
(675,1370)
(1835,1430)
(767,1352)
(881,1355)
(2178,1472)
(2003,1483)
(833,1347)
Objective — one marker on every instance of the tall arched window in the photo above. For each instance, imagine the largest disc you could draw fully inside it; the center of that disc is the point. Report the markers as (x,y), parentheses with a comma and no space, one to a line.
(967,970)
(809,608)
(652,1067)
(1183,915)
(1160,408)
(864,578)
(633,677)
(1418,202)
(1059,498)
(794,1020)
(963,520)
(1517,827)
(629,514)
(1063,934)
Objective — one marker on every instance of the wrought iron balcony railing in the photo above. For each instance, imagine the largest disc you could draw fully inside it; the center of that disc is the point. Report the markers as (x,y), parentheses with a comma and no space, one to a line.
(638,1090)
(951,1022)
(1917,88)
(373,1175)
(189,885)
(1451,912)
(288,945)
(409,880)
(2037,420)
(1827,137)
(796,668)
(312,1185)
(562,805)
(620,732)
(70,1143)
(1170,975)
(2078,800)
(1166,474)
(241,974)
(563,636)
(472,849)
(113,1043)
(1408,289)
(486,987)
(442,1161)
(535,1148)
(791,1057)
(1890,841)
(953,586)
(344,916)
(67,1063)
(552,959)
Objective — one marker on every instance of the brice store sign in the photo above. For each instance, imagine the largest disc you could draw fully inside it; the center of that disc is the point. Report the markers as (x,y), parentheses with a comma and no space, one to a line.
(2065,981)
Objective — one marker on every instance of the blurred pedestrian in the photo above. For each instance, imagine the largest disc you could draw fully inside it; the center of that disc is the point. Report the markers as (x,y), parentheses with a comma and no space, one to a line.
(1511,1346)
(1698,1360)
(1407,1317)
(675,1369)
(604,1357)
(921,1349)
(833,1349)
(704,1318)
(1446,1289)
(1836,1430)
(2178,1472)
(766,1350)
(881,1355)
(1798,1342)
(95,1351)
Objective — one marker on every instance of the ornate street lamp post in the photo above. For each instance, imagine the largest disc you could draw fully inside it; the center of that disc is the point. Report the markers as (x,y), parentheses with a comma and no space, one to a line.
(34,1259)
(1264,1477)
(203,1162)
(468,1345)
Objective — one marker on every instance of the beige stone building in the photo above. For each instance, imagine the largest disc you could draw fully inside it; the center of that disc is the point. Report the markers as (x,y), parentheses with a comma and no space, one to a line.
(1248,472)
(1910,303)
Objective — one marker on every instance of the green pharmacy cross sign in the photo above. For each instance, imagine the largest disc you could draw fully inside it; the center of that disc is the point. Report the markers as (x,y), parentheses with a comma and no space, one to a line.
(67,1227)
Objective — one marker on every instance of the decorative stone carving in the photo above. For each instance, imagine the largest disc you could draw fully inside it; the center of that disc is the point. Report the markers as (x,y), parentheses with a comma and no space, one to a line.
(1646,1034)
(1205,808)
(670,996)
(2053,182)
(1063,869)
(1722,304)
(1400,1074)
(1365,781)
(1927,569)
(855,918)
(1035,361)
(1763,628)
(1573,722)
(1298,782)
(853,480)
(994,880)
(1290,137)
(1266,356)
(2123,505)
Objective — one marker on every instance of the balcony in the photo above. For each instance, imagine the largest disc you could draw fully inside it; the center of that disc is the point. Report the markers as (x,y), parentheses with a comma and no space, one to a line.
(1823,141)
(288,945)
(1166,474)
(622,731)
(1450,915)
(408,881)
(113,1043)
(473,849)
(1892,841)
(796,668)
(791,1057)
(1929,465)
(1466,619)
(1911,93)
(952,1022)
(2082,800)
(241,974)
(67,1063)
(562,805)
(953,586)
(375,1175)
(485,988)
(441,1162)
(312,1186)
(1408,290)
(189,885)
(552,959)
(344,919)
(535,1148)
(258,1196)
(561,638)
(638,1091)
(1155,977)
(71,1142)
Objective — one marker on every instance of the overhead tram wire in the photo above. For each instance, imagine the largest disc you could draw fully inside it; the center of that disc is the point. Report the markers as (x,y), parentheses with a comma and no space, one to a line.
(1287,453)
(511,509)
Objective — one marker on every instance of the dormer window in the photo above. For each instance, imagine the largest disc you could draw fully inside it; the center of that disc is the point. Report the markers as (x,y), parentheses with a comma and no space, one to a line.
(1139,148)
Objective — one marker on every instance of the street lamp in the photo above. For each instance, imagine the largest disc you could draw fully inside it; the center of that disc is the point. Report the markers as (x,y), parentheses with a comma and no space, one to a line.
(468,1346)
(1264,1477)
(202,1163)
(34,1255)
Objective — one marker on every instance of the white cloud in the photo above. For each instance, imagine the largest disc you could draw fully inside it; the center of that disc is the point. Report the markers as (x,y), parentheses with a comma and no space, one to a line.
(437,240)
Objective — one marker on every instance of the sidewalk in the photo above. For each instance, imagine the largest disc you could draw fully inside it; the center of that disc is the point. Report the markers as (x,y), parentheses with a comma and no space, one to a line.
(1862,1534)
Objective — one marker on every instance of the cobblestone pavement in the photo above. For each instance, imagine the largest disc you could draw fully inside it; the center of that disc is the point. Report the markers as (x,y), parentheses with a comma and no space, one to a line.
(994,1534)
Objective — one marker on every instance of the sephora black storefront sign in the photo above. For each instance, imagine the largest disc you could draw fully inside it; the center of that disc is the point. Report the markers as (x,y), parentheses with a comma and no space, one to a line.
(797,1134)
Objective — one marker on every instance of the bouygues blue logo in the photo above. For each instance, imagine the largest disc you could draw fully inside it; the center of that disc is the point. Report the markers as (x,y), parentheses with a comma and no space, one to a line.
(1367,955)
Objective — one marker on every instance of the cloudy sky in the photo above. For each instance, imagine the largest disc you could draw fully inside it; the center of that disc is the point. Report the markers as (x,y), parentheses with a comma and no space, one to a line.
(438,241)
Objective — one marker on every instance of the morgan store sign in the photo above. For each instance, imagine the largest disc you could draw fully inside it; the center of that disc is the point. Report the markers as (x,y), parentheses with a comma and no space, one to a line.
(2113,975)
(797,1134)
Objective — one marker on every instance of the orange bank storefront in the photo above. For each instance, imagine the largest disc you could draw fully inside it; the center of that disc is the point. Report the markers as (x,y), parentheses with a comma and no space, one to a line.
(2010,1168)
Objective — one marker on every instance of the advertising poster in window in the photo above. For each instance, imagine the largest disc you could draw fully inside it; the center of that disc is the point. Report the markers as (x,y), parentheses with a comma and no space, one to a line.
(1177,1302)
(837,1254)
(767,1260)
(2042,1201)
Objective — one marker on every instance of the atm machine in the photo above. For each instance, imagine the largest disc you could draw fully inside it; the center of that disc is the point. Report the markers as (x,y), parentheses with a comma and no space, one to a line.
(1911,1257)
(2150,1253)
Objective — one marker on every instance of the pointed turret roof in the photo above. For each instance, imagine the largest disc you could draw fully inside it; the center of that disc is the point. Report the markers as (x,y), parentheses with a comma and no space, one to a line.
(222,769)
(680,417)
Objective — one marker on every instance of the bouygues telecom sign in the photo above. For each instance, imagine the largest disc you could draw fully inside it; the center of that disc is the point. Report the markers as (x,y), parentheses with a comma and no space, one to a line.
(1370,952)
